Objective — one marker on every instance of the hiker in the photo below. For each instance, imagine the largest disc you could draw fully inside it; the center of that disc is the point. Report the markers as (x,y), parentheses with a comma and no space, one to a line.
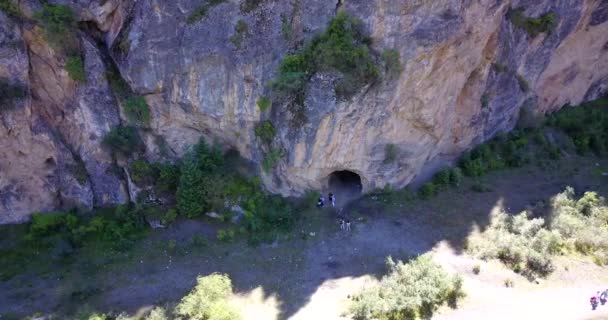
(321,202)
(342,224)
(332,198)
(347,225)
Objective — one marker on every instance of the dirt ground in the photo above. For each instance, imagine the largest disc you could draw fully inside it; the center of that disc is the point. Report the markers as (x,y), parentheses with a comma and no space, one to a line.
(311,273)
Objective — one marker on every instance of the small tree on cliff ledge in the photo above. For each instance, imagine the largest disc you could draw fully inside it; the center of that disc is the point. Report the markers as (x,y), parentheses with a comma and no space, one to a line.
(190,201)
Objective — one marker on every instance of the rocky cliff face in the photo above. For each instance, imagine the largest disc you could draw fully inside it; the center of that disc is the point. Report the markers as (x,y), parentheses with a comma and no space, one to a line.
(468,70)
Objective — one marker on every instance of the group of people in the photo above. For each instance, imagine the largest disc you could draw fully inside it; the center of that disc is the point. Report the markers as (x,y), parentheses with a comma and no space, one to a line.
(321,202)
(344,224)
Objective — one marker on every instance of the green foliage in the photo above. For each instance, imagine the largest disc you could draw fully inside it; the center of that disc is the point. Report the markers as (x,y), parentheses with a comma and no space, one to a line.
(392,62)
(241,30)
(271,159)
(410,291)
(523,83)
(79,171)
(265,215)
(142,172)
(10,92)
(9,8)
(209,300)
(264,103)
(169,216)
(265,131)
(201,11)
(123,140)
(168,177)
(456,176)
(428,190)
(546,23)
(586,125)
(190,201)
(584,222)
(226,235)
(59,26)
(390,153)
(75,67)
(342,47)
(137,110)
(522,243)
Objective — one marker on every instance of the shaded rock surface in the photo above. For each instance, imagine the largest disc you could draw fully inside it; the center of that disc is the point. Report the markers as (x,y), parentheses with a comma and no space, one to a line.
(199,83)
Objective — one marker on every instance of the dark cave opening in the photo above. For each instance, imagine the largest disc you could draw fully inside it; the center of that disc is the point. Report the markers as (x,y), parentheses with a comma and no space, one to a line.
(345,182)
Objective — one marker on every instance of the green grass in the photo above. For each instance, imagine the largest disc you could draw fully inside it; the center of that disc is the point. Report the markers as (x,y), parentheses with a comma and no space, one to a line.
(75,68)
(545,23)
(271,159)
(201,11)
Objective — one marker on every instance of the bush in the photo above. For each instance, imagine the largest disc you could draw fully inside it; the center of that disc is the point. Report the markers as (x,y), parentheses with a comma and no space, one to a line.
(123,140)
(190,195)
(75,67)
(428,190)
(264,103)
(476,269)
(342,47)
(9,8)
(249,5)
(168,177)
(241,30)
(410,291)
(265,131)
(392,62)
(226,235)
(201,11)
(523,244)
(209,300)
(142,173)
(169,216)
(59,28)
(442,178)
(390,153)
(137,110)
(456,176)
(546,23)
(271,159)
(286,28)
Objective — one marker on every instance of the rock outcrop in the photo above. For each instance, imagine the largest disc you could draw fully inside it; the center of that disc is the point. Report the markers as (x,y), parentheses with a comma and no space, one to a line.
(468,70)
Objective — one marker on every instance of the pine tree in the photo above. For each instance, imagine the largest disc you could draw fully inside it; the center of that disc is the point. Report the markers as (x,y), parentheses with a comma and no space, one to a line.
(190,200)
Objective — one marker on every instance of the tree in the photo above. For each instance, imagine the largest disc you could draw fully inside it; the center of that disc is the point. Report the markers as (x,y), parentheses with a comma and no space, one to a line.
(190,200)
(208,300)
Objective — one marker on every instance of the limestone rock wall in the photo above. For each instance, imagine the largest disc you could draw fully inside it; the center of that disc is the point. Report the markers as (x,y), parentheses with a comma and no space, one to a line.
(198,82)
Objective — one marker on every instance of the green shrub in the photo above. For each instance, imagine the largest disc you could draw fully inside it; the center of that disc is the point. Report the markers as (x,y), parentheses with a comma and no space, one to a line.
(168,177)
(522,243)
(59,26)
(79,171)
(209,300)
(137,110)
(9,8)
(75,67)
(390,153)
(428,190)
(9,93)
(169,216)
(201,11)
(271,159)
(226,235)
(142,173)
(456,176)
(476,269)
(546,23)
(410,291)
(158,313)
(265,131)
(342,47)
(123,140)
(241,30)
(190,195)
(442,178)
(392,62)
(264,103)
(266,215)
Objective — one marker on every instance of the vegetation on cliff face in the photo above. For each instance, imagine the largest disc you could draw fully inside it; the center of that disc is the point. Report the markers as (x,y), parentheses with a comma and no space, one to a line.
(342,47)
(545,23)
(9,92)
(59,24)
(201,11)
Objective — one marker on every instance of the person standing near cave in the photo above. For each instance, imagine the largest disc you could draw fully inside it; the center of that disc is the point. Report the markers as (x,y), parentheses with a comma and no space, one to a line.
(332,199)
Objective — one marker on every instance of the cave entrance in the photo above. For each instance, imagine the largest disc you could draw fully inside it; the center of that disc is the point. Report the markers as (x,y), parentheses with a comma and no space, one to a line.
(346,185)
